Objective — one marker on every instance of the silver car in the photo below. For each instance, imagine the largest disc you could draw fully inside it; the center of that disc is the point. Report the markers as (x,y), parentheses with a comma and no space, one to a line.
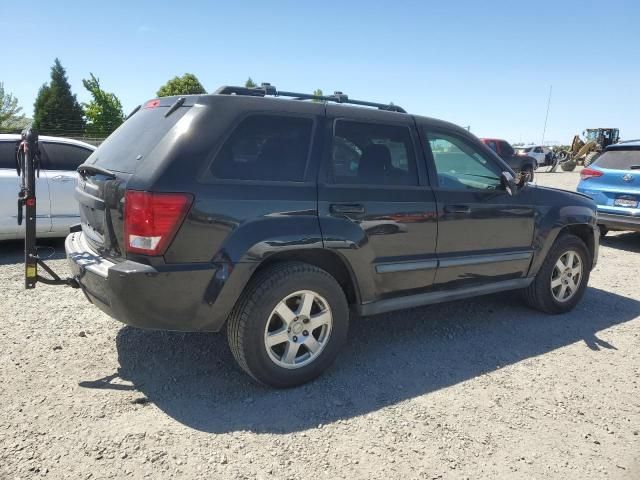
(57,207)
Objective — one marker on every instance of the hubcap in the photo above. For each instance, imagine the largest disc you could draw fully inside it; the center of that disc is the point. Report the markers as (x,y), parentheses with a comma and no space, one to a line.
(566,276)
(298,329)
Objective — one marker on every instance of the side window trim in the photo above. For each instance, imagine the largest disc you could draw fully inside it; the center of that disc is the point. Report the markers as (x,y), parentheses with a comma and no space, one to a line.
(327,175)
(431,164)
(206,176)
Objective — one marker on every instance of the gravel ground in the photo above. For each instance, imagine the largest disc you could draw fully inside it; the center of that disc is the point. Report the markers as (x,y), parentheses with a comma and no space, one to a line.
(483,388)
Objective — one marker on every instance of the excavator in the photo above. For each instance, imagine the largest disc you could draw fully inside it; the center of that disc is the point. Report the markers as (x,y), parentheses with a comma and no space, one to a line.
(586,151)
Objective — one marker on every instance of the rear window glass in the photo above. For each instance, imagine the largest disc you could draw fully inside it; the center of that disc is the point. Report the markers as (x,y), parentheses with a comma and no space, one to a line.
(136,137)
(61,156)
(8,155)
(619,159)
(265,147)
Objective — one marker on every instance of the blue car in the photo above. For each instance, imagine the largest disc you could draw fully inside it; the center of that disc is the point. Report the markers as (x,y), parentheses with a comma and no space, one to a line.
(613,182)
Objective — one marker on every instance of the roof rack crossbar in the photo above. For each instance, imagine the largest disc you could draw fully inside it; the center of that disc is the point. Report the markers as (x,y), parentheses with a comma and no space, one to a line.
(267,89)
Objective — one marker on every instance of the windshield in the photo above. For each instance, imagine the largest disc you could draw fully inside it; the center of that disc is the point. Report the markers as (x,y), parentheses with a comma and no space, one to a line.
(135,138)
(619,160)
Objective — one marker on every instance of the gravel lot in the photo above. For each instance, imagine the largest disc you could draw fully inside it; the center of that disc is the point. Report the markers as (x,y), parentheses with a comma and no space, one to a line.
(483,388)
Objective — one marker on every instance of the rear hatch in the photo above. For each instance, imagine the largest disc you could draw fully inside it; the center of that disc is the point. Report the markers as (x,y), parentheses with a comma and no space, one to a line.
(106,173)
(614,181)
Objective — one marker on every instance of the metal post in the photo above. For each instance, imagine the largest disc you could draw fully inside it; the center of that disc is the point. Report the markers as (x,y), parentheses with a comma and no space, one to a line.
(30,149)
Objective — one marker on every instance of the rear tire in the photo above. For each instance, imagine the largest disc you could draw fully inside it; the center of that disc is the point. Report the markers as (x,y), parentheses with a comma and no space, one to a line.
(563,277)
(528,170)
(289,324)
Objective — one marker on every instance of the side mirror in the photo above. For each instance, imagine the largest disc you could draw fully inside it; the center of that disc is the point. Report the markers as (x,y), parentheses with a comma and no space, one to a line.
(509,182)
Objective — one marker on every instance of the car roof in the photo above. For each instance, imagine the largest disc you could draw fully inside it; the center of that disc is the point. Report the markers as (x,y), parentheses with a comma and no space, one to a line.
(622,145)
(46,138)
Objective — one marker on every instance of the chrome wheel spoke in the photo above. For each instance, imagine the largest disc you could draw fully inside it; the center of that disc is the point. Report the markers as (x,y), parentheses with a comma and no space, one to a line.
(306,302)
(563,290)
(322,318)
(569,262)
(277,337)
(285,313)
(560,266)
(576,270)
(312,344)
(556,282)
(290,352)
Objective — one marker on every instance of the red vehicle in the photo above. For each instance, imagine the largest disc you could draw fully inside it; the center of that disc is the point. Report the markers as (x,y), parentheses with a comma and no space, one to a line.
(519,163)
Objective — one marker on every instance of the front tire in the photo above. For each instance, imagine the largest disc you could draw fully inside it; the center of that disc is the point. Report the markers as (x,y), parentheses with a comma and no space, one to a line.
(289,324)
(563,277)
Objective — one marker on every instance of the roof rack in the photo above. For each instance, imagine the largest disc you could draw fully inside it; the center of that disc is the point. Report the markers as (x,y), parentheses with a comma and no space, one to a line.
(266,89)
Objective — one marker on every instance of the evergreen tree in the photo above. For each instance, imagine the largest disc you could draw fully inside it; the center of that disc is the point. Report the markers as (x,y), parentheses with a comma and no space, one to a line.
(250,83)
(56,109)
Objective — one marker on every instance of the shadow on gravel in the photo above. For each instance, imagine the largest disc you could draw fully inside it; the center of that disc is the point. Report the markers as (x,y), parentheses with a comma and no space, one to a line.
(12,251)
(390,358)
(629,241)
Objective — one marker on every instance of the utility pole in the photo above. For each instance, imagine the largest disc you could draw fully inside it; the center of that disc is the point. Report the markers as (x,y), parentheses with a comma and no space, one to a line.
(544,130)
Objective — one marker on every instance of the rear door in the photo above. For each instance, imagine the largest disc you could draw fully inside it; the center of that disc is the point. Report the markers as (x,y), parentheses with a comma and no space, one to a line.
(59,164)
(375,205)
(484,234)
(9,186)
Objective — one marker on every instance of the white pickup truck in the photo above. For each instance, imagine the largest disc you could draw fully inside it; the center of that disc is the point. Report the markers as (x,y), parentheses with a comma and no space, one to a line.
(55,188)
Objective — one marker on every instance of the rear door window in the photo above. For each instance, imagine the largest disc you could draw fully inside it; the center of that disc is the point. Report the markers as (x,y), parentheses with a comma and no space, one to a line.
(265,147)
(8,155)
(373,154)
(62,156)
(619,160)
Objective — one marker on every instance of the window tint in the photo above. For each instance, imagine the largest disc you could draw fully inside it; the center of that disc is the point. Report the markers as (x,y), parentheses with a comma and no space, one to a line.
(492,145)
(373,154)
(265,147)
(505,149)
(619,160)
(8,155)
(61,156)
(461,166)
(537,150)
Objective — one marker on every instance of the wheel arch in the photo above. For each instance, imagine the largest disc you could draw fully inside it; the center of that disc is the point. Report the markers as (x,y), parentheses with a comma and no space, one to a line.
(327,260)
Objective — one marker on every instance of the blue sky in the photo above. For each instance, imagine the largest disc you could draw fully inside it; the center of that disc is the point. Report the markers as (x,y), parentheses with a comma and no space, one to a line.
(484,64)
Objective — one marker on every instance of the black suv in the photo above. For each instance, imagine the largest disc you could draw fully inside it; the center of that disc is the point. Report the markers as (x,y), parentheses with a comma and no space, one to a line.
(273,217)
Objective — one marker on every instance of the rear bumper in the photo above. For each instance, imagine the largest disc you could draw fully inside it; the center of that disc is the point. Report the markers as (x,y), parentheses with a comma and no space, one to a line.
(619,222)
(170,297)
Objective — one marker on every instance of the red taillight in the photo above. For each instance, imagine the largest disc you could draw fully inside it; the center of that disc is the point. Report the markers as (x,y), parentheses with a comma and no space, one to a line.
(590,173)
(152,219)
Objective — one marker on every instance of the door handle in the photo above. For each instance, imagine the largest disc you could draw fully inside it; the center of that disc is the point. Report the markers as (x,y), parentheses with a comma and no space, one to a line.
(459,209)
(346,208)
(62,178)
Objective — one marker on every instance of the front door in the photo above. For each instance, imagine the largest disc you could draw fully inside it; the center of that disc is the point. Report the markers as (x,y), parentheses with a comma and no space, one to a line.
(374,203)
(484,233)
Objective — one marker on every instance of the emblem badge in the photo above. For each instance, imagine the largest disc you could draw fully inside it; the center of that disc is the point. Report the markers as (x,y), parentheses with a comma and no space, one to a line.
(627,177)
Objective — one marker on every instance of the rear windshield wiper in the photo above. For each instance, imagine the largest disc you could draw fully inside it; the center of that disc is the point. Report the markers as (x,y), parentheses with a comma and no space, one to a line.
(635,167)
(175,106)
(84,169)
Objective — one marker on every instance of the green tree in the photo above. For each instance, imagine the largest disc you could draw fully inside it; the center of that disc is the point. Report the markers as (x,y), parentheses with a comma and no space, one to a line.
(10,116)
(318,93)
(56,110)
(188,84)
(104,112)
(250,83)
